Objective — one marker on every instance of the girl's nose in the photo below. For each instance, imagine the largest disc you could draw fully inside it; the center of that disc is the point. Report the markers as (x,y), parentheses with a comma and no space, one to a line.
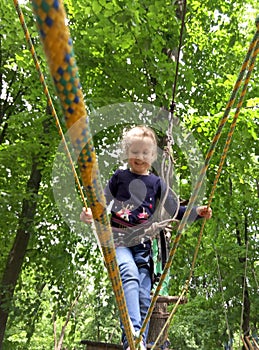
(140,156)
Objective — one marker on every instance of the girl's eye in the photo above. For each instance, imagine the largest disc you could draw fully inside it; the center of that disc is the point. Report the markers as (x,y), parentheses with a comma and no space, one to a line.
(146,153)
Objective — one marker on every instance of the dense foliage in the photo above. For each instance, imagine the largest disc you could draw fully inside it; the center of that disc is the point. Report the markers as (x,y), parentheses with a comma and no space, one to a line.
(51,272)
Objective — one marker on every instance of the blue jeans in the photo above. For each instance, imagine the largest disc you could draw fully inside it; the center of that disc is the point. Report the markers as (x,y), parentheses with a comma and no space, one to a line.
(134,264)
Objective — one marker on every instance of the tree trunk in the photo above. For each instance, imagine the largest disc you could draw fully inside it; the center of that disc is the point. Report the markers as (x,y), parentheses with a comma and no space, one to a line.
(17,253)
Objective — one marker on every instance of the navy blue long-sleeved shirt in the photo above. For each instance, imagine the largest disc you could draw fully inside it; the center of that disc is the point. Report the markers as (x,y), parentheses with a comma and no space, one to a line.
(136,198)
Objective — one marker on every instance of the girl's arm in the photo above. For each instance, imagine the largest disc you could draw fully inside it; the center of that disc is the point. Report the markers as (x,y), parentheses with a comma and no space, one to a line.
(197,212)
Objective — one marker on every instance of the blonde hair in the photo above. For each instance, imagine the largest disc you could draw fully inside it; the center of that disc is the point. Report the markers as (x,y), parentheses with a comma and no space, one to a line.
(139,132)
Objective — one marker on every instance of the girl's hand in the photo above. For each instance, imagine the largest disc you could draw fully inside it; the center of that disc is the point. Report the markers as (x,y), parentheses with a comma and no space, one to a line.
(86,216)
(204,212)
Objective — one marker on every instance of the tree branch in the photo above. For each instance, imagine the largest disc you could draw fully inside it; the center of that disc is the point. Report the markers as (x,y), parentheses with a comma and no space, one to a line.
(62,334)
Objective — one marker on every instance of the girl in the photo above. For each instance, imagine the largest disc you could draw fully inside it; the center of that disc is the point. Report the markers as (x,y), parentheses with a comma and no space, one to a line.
(135,193)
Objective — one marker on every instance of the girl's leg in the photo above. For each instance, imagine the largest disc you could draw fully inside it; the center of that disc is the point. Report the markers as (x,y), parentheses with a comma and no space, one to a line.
(130,281)
(142,257)
(144,296)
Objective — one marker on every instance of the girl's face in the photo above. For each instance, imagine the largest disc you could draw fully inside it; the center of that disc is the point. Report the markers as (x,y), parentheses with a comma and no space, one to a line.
(141,155)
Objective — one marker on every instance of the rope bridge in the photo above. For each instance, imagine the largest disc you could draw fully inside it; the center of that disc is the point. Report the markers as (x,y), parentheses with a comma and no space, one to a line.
(50,16)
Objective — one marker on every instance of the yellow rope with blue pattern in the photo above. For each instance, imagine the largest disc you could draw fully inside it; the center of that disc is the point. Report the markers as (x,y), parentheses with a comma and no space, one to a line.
(47,94)
(50,16)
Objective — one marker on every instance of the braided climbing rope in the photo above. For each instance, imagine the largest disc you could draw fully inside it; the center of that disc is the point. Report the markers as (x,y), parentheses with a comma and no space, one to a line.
(46,92)
(58,47)
(248,64)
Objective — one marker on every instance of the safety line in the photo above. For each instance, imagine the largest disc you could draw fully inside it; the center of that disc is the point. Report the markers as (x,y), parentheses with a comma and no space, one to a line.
(58,47)
(236,115)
